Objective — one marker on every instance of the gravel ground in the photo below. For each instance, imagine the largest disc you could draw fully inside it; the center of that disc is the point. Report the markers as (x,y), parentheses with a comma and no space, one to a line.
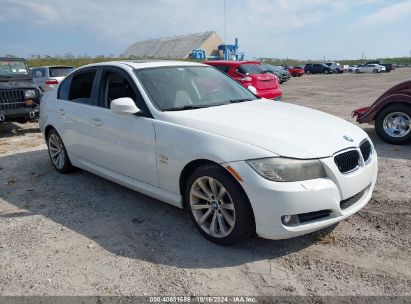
(79,234)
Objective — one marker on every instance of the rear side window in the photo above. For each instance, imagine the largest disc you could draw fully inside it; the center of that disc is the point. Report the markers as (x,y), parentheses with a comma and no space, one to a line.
(37,73)
(64,88)
(81,86)
(60,71)
(222,68)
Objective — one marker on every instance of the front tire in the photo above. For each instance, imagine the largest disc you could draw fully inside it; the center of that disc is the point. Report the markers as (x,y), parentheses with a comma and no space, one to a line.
(218,206)
(393,124)
(58,153)
(375,71)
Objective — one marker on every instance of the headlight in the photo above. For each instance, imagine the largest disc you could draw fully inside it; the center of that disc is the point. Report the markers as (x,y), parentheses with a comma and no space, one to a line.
(287,170)
(29,94)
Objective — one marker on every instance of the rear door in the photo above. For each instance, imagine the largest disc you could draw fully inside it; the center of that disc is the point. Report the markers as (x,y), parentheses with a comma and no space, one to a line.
(124,144)
(77,95)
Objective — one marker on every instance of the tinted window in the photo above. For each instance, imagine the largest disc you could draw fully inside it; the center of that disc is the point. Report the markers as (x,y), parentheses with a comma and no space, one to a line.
(63,92)
(116,86)
(222,68)
(251,68)
(81,86)
(60,71)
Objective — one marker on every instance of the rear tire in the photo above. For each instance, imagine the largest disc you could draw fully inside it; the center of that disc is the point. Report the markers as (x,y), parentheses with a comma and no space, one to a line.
(218,206)
(58,153)
(393,124)
(326,72)
(375,71)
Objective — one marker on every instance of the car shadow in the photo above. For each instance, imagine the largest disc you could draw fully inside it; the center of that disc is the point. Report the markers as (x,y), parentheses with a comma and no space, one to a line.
(10,129)
(120,220)
(387,150)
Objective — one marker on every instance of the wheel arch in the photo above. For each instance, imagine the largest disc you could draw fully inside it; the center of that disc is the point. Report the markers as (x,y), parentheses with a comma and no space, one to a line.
(47,129)
(400,102)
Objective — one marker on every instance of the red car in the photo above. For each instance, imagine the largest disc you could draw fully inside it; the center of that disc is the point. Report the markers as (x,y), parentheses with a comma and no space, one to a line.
(296,71)
(391,113)
(251,75)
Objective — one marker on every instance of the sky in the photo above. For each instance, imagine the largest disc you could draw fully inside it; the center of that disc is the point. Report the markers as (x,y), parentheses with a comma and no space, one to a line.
(301,29)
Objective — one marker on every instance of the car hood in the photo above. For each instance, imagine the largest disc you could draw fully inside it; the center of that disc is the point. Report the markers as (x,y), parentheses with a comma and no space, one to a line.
(17,84)
(284,129)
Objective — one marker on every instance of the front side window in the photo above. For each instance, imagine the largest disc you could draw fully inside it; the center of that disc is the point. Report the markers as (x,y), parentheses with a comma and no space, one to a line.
(81,87)
(116,86)
(177,88)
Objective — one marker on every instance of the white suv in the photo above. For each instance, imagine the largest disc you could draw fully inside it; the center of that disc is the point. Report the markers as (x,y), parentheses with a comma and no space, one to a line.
(189,135)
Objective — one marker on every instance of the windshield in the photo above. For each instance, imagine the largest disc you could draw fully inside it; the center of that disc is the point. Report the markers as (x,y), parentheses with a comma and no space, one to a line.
(10,68)
(179,88)
(60,71)
(251,68)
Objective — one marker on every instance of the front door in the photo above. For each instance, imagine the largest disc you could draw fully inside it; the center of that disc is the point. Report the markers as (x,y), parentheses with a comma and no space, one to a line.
(124,144)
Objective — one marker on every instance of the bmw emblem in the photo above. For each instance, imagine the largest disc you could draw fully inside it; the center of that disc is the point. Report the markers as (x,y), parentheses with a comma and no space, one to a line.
(348,138)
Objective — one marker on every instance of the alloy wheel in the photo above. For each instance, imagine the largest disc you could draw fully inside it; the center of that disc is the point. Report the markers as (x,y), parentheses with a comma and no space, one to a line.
(212,207)
(56,150)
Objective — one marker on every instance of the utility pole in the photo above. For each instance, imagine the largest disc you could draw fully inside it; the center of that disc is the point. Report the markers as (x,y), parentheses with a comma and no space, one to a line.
(225,24)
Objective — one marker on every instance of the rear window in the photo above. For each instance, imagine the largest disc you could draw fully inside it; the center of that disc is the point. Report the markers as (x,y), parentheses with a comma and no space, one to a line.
(60,71)
(251,68)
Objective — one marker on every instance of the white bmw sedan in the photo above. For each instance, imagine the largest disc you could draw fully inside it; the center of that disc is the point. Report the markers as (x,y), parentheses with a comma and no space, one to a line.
(192,137)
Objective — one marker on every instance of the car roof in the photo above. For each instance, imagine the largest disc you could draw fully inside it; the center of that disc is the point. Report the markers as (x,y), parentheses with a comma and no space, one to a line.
(53,66)
(232,62)
(142,64)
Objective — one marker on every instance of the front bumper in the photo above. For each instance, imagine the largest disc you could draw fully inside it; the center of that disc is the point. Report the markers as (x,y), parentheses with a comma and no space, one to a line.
(19,113)
(272,200)
(270,94)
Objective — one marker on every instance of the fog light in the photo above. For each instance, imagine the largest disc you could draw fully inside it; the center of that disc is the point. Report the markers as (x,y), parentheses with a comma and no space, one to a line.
(288,220)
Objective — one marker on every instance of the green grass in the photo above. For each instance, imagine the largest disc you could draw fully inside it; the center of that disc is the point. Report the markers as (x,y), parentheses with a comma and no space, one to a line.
(76,62)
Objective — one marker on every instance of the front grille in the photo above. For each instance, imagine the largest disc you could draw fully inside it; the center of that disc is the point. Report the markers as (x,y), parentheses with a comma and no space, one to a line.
(344,204)
(365,150)
(347,161)
(312,216)
(11,99)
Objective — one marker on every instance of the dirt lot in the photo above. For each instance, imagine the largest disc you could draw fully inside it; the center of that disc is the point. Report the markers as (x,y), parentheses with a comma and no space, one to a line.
(78,234)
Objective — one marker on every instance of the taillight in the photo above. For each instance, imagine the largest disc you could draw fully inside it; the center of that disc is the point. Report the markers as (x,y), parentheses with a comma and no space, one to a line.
(246,79)
(52,81)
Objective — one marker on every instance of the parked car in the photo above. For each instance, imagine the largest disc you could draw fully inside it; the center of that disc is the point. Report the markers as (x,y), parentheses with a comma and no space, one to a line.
(368,68)
(282,74)
(19,96)
(251,75)
(191,136)
(49,77)
(391,114)
(352,68)
(295,71)
(336,67)
(318,68)
(388,66)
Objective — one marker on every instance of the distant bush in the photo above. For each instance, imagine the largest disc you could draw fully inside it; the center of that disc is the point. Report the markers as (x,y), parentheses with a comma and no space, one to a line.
(76,62)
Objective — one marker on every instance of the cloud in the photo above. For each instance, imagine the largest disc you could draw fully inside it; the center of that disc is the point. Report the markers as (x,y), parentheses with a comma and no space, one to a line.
(393,13)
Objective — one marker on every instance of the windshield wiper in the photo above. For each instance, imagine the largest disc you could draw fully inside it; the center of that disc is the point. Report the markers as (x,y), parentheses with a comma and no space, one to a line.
(187,107)
(240,100)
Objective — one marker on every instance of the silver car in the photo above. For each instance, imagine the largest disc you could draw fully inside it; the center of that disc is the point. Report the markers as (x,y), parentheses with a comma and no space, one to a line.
(49,77)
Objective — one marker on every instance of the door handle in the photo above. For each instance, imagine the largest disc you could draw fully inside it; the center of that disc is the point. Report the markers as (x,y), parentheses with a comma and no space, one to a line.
(97,122)
(61,112)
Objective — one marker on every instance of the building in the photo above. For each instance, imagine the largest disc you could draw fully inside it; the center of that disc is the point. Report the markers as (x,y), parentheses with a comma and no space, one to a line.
(177,47)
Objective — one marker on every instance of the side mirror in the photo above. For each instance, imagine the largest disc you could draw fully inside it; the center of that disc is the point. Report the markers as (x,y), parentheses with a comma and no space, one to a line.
(239,73)
(124,106)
